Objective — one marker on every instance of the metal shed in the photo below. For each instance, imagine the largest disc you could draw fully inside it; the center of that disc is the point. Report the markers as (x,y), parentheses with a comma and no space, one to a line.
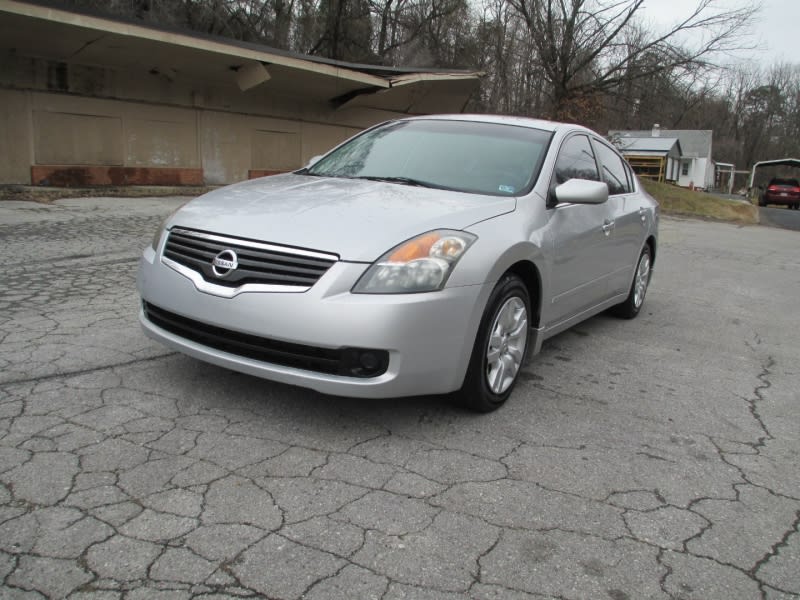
(654,158)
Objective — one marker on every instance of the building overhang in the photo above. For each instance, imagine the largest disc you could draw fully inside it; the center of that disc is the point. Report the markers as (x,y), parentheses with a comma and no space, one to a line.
(646,153)
(40,30)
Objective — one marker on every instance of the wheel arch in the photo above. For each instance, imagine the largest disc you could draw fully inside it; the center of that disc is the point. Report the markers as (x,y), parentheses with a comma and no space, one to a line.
(532,278)
(475,390)
(651,242)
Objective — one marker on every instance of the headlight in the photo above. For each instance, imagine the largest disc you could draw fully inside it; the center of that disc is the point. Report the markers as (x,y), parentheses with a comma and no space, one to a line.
(421,264)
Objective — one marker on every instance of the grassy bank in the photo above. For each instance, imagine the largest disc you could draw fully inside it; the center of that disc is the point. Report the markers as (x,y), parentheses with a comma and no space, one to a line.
(681,202)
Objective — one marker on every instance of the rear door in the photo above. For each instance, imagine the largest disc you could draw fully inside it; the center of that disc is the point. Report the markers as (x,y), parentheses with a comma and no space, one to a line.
(624,207)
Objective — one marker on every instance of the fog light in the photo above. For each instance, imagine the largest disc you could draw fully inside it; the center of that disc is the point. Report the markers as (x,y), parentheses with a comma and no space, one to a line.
(362,362)
(369,361)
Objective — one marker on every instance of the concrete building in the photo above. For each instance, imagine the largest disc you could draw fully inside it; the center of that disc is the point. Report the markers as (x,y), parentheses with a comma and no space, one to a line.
(696,165)
(92,100)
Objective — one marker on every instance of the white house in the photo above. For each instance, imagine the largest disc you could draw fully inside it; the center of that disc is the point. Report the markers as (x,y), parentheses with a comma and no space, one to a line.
(696,167)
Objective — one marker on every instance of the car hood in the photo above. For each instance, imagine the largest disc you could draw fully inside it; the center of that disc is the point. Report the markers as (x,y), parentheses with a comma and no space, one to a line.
(357,219)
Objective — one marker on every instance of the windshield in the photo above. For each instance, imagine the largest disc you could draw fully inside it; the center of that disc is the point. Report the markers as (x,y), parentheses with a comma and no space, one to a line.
(479,158)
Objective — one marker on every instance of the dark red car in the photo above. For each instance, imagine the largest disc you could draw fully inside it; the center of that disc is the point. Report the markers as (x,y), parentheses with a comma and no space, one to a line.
(782,191)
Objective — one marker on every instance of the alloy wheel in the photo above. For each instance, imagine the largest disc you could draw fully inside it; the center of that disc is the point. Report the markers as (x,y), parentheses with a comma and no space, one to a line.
(506,347)
(642,279)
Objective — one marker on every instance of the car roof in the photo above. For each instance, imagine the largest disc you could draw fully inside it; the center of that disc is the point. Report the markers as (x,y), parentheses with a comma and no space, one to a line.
(783,180)
(541,124)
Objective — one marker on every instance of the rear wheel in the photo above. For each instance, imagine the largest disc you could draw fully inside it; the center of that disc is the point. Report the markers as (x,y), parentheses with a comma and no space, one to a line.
(500,346)
(641,279)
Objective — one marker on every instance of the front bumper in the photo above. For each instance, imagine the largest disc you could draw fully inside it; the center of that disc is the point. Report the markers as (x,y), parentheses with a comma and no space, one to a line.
(429,336)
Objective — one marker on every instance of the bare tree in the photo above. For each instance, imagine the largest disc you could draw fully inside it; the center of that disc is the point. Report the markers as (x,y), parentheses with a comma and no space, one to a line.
(586,49)
(346,32)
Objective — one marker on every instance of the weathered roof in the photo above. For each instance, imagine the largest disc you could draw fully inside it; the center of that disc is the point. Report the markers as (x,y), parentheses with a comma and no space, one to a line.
(654,144)
(42,29)
(695,143)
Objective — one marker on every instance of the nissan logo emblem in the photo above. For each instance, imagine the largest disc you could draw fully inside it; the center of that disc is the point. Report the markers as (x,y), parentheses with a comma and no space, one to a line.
(224,262)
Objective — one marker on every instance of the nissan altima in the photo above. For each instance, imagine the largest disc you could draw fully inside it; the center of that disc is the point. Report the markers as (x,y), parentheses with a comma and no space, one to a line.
(426,255)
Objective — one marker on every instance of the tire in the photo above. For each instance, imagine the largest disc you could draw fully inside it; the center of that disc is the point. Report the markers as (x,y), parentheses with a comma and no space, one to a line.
(641,279)
(500,346)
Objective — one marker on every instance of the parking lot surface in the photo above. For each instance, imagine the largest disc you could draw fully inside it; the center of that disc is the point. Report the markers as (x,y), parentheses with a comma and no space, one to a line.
(654,458)
(779,217)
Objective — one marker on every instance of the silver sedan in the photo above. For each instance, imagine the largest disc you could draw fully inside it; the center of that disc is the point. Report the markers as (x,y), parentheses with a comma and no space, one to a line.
(423,256)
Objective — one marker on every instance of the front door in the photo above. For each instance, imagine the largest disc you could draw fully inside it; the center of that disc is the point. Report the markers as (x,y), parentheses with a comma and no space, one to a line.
(582,237)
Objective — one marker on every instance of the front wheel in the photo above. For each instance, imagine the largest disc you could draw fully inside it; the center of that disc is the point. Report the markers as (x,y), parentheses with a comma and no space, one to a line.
(500,346)
(641,279)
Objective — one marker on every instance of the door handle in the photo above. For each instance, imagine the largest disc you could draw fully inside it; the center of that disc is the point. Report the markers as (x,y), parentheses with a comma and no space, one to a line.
(608,226)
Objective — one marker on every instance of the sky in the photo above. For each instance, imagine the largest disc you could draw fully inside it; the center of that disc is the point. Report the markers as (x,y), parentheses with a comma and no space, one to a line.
(775,32)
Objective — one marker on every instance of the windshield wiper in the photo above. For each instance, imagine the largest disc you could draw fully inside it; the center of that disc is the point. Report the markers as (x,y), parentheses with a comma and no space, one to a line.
(402,180)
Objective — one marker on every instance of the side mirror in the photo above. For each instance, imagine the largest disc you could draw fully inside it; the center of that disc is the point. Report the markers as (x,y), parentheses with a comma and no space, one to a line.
(582,191)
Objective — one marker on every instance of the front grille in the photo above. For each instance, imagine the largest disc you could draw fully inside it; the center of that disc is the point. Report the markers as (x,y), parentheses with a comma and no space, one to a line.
(342,361)
(258,262)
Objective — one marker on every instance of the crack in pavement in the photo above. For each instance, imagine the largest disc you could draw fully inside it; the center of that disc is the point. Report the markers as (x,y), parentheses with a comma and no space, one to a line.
(70,374)
(596,480)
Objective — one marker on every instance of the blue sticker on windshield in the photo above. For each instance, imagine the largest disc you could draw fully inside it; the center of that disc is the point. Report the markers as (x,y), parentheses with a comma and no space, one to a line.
(506,188)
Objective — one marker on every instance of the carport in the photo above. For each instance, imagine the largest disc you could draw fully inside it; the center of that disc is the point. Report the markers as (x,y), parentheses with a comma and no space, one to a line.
(780,162)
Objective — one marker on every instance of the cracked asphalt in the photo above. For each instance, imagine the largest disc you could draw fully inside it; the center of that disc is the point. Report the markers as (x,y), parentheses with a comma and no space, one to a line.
(654,458)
